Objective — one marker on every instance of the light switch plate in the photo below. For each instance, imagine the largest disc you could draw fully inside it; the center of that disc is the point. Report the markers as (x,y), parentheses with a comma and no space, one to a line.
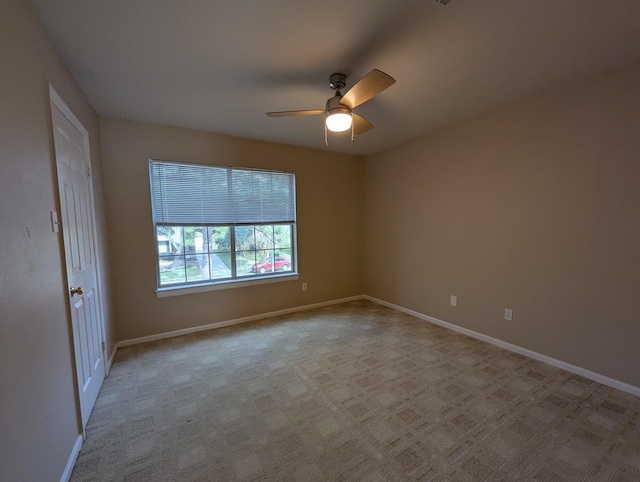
(55,225)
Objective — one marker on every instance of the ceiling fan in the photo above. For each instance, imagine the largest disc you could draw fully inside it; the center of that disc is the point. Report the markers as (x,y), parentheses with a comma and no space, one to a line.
(339,109)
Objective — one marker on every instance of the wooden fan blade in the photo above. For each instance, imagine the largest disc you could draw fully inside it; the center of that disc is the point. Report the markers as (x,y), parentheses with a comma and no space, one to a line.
(360,124)
(369,86)
(296,112)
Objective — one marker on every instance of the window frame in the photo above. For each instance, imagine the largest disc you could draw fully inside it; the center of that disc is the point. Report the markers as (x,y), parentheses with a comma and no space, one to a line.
(235,280)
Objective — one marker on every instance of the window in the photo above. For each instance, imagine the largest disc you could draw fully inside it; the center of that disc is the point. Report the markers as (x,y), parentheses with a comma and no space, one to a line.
(218,225)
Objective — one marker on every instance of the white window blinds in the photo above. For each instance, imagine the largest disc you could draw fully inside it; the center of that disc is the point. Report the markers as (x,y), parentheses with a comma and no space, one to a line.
(193,194)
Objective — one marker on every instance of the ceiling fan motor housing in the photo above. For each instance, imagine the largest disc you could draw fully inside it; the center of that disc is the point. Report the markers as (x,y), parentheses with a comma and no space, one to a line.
(337,81)
(334,106)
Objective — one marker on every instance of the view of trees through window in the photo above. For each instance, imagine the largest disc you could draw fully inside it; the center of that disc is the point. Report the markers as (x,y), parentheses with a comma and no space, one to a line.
(210,253)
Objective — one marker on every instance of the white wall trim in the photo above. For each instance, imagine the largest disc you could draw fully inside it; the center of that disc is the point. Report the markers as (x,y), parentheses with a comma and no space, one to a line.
(225,285)
(596,377)
(73,456)
(111,358)
(237,321)
(583,372)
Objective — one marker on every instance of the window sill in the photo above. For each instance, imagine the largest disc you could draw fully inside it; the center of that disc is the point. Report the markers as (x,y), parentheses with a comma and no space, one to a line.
(168,291)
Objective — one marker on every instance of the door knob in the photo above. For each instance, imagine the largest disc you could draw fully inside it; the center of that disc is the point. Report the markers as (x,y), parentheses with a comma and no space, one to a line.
(76,291)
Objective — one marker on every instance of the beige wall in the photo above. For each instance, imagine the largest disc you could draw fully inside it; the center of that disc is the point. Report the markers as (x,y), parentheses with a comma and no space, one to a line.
(533,207)
(329,209)
(38,415)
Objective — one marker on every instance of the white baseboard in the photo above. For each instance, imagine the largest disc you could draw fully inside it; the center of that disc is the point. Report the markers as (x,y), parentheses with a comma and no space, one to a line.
(596,377)
(111,358)
(237,321)
(73,456)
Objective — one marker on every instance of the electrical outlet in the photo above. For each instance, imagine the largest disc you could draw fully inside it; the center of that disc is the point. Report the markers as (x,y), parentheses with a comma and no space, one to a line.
(508,314)
(453,300)
(304,286)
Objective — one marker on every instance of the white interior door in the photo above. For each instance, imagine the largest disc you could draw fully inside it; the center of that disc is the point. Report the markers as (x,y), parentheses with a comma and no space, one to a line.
(77,218)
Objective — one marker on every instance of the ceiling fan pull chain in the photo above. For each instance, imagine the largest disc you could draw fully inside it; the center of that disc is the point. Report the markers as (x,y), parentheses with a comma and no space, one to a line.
(326,139)
(353,132)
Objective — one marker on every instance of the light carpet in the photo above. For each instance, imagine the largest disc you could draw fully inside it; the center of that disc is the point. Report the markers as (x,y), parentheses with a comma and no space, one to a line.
(351,392)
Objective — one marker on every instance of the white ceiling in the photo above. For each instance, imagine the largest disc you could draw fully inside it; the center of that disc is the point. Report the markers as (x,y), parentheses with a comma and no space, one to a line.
(221,65)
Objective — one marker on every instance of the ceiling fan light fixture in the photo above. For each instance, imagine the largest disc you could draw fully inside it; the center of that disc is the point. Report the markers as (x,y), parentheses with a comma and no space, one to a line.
(339,119)
(339,115)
